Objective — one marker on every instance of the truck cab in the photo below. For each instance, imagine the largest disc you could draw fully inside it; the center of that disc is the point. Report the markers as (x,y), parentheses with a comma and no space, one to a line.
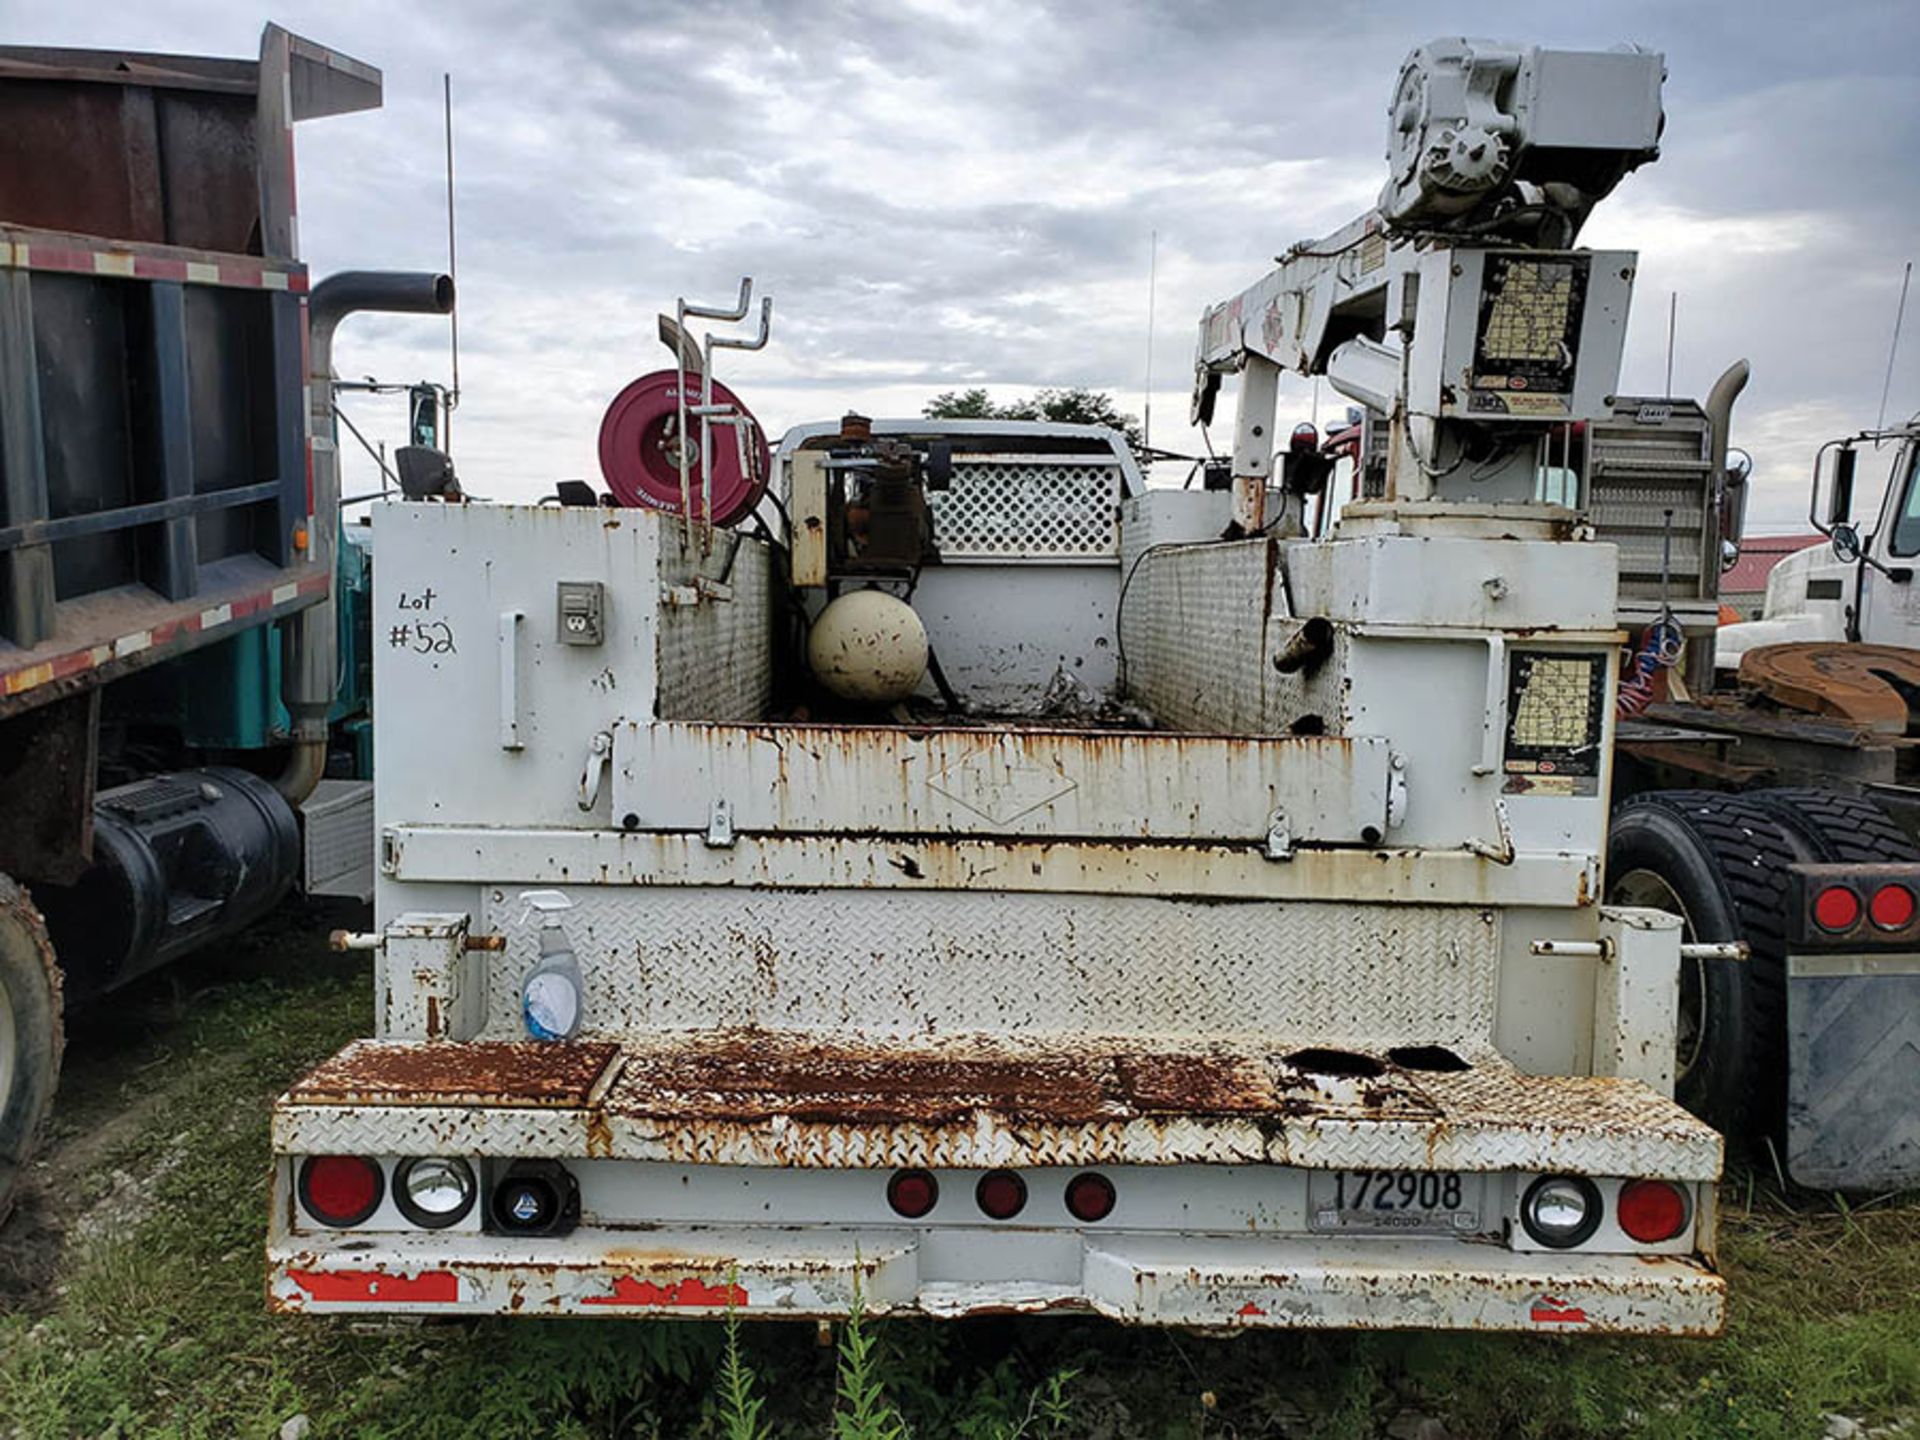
(1854,588)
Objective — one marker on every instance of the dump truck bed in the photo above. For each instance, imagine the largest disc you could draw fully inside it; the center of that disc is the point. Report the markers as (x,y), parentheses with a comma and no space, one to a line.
(153,426)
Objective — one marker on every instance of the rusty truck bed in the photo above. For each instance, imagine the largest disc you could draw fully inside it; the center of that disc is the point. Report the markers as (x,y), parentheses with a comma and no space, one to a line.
(795,1099)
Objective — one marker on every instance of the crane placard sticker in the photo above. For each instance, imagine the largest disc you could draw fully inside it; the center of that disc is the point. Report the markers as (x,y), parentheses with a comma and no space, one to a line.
(1529,334)
(1554,723)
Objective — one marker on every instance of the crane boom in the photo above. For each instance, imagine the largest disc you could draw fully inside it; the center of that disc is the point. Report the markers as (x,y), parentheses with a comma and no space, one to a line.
(1456,306)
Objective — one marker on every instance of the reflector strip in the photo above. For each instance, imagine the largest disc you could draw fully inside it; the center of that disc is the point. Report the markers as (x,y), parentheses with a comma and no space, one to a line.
(80,255)
(629,1291)
(1549,1311)
(58,667)
(432,1287)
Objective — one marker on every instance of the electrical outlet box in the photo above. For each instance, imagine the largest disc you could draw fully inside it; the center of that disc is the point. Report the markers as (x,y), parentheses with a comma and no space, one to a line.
(583,612)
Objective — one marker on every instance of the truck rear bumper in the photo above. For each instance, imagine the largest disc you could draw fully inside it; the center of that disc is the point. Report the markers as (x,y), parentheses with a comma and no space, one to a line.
(750,1169)
(1224,1282)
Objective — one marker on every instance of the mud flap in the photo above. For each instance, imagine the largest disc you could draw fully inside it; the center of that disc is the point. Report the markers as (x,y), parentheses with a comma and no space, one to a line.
(1853,1090)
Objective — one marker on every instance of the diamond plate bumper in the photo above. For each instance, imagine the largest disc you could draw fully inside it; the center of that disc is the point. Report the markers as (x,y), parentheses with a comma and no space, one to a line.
(761,1098)
(799,1102)
(1212,1282)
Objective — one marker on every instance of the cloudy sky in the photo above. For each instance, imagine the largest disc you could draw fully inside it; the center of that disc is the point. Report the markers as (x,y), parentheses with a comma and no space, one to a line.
(943,197)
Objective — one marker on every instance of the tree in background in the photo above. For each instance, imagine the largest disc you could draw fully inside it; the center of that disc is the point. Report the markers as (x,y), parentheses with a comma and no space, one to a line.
(1066,407)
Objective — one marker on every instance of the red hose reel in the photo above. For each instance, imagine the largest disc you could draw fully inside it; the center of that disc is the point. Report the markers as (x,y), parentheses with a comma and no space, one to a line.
(641,460)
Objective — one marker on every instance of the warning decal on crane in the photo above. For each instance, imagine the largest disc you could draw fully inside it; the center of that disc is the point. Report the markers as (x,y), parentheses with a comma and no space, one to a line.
(1554,716)
(1529,334)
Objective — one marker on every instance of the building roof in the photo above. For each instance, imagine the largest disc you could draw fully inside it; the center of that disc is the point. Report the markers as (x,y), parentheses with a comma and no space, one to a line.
(1758,555)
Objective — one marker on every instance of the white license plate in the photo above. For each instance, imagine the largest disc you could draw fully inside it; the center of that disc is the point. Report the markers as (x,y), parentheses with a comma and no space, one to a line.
(1395,1202)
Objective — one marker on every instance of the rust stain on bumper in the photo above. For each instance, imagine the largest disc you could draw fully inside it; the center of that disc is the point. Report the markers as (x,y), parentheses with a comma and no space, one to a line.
(481,1072)
(803,1099)
(746,1076)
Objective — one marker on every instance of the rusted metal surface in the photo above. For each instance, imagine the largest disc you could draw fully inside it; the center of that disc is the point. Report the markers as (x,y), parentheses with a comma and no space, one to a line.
(754,1076)
(932,963)
(1216,1281)
(763,1098)
(1695,759)
(1734,714)
(100,158)
(770,1273)
(863,779)
(487,1072)
(47,774)
(1212,1282)
(498,856)
(1855,684)
(104,636)
(58,252)
(180,149)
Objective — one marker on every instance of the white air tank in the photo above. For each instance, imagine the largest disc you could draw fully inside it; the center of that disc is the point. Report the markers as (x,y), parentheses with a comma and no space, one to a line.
(869,647)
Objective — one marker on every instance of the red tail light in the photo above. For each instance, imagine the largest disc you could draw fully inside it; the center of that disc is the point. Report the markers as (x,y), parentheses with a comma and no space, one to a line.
(1892,907)
(1652,1210)
(1001,1194)
(1090,1197)
(340,1190)
(912,1193)
(1836,908)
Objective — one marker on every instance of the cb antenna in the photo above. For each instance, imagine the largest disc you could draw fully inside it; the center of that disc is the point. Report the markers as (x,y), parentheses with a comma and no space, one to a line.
(453,272)
(1673,323)
(1893,349)
(1146,404)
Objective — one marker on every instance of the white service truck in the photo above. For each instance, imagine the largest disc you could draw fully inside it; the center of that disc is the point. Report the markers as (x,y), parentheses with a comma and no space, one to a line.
(1005,887)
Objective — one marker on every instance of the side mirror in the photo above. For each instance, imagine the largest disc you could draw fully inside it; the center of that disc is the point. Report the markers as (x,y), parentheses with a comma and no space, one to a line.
(1734,489)
(1840,504)
(1846,539)
(425,474)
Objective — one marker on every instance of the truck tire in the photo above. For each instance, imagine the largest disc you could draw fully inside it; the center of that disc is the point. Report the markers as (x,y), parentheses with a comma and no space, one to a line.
(1720,862)
(1840,828)
(31,1036)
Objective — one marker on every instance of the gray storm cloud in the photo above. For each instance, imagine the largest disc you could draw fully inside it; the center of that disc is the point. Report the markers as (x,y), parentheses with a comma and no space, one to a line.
(940,197)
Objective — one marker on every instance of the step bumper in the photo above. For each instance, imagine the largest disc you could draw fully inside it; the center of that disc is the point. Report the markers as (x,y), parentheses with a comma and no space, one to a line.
(1212,1282)
(792,1100)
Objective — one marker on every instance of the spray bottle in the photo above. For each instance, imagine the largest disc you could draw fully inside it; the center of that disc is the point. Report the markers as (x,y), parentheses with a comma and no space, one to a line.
(550,998)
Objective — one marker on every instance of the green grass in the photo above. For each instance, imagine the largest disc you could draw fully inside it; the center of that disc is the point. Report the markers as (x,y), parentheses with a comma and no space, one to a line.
(161,1329)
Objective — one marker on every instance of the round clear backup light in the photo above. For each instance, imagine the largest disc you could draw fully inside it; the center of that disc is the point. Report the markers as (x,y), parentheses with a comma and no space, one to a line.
(1561,1211)
(434,1191)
